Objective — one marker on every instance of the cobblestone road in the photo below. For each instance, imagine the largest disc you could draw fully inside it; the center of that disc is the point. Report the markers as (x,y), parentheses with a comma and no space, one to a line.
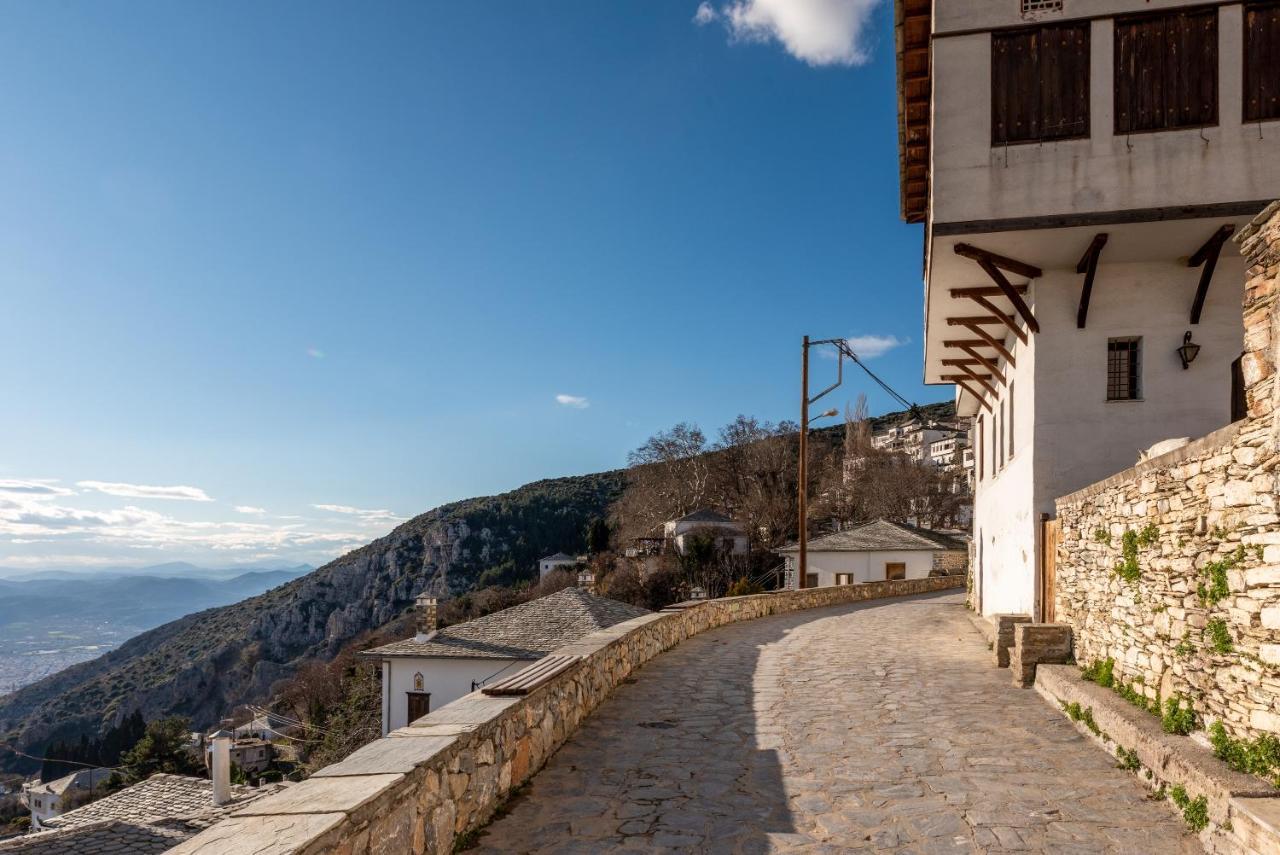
(877,726)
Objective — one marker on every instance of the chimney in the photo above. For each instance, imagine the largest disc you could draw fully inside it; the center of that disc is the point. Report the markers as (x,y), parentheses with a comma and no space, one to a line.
(220,766)
(427,622)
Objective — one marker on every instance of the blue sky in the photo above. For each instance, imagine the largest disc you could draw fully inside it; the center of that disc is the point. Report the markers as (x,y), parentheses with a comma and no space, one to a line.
(333,264)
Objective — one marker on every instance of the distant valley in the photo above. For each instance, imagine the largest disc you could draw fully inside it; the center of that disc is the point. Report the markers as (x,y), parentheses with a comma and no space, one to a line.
(50,621)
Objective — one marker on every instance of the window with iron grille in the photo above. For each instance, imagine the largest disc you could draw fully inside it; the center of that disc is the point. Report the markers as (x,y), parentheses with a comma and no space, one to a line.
(1041,6)
(1124,369)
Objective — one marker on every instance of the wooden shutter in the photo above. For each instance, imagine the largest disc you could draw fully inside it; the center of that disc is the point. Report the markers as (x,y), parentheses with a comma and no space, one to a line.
(1040,83)
(1166,70)
(1261,61)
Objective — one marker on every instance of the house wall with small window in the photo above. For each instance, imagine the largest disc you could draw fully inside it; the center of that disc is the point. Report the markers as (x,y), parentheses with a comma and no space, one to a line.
(1067,431)
(1059,157)
(849,568)
(445,680)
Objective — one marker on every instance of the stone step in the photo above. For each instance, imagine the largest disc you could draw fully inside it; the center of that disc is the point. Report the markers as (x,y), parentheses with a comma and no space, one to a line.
(1255,825)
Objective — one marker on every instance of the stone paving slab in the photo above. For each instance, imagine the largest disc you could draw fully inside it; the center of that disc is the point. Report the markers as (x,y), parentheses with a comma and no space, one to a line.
(877,726)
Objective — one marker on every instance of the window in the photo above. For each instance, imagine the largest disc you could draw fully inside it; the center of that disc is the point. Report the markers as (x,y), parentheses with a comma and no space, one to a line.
(1040,83)
(844,578)
(1010,429)
(895,570)
(1041,6)
(978,448)
(1124,369)
(1000,437)
(811,580)
(1261,61)
(1166,70)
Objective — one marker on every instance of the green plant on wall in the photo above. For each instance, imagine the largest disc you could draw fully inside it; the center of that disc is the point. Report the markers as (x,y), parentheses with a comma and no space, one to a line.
(1101,672)
(1177,718)
(1215,572)
(1130,542)
(1218,635)
(1259,756)
(1194,811)
(1101,535)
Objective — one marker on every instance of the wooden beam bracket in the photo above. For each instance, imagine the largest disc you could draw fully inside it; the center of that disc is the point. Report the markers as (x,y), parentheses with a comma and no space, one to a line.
(1089,267)
(1207,255)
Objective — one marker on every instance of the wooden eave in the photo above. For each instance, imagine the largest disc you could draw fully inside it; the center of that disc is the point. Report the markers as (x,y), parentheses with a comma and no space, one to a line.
(912,30)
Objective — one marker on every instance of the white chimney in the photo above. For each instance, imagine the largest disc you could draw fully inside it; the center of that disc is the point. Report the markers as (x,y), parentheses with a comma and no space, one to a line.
(220,766)
(427,621)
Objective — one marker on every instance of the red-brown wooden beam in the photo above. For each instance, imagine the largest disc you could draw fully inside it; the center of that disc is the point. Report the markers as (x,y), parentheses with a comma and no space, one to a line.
(1009,320)
(1207,255)
(1002,261)
(1019,304)
(979,319)
(984,291)
(964,364)
(1088,265)
(973,351)
(984,379)
(991,341)
(981,400)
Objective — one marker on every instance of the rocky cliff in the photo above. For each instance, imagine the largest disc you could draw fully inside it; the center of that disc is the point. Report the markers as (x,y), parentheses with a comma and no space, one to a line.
(206,663)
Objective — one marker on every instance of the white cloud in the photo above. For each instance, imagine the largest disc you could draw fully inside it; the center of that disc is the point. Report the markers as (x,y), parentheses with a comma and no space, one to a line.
(249,509)
(366,515)
(577,402)
(34,487)
(819,32)
(871,346)
(142,491)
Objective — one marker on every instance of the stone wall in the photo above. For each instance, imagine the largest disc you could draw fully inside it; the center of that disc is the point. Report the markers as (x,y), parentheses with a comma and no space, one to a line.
(953,562)
(1172,568)
(421,787)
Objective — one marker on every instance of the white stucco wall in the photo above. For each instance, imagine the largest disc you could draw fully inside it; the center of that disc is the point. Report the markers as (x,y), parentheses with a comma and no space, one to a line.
(1068,435)
(971,180)
(445,679)
(867,566)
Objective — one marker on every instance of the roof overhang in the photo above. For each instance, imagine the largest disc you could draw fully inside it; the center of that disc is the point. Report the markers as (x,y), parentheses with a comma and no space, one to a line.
(913,25)
(955,282)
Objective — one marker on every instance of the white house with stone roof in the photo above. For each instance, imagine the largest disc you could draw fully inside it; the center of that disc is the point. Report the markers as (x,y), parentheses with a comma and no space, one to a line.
(438,666)
(730,536)
(555,562)
(1075,237)
(48,799)
(876,552)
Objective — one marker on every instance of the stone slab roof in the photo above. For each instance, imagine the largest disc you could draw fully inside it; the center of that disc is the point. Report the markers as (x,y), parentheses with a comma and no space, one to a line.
(881,536)
(559,556)
(705,515)
(528,631)
(151,816)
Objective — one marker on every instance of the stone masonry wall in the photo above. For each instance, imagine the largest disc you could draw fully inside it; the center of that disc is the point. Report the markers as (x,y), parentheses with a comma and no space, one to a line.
(953,562)
(1172,568)
(420,788)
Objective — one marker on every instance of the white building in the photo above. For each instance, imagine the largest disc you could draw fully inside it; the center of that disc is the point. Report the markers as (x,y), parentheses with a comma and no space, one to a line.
(47,800)
(555,562)
(1072,236)
(438,666)
(876,552)
(730,536)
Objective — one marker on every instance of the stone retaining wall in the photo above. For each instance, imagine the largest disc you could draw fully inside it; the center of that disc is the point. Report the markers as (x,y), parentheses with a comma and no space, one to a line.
(1172,568)
(421,787)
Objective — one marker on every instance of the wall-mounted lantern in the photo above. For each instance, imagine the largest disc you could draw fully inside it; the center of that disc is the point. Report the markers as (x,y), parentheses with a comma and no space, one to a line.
(1189,350)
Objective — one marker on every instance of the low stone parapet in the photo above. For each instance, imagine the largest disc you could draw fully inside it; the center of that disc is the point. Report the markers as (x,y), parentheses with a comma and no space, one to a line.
(1242,810)
(419,788)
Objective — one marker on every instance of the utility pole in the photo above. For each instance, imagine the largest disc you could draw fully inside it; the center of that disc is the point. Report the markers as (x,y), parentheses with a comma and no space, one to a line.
(803,503)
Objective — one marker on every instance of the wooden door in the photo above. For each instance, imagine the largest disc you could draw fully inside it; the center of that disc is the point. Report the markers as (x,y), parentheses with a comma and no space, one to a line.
(419,705)
(1050,534)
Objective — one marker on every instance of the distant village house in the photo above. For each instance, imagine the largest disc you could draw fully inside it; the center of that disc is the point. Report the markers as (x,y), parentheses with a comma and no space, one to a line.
(876,552)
